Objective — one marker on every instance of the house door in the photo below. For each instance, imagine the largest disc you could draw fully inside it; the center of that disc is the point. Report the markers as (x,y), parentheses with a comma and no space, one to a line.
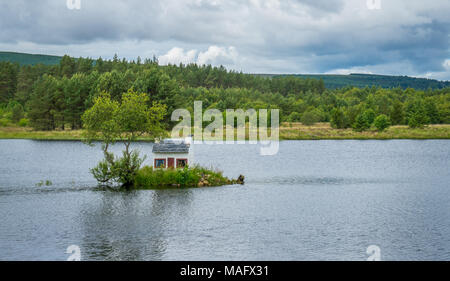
(171,163)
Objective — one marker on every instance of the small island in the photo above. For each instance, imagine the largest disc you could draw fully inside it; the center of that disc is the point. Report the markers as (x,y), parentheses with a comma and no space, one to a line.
(187,177)
(112,121)
(171,158)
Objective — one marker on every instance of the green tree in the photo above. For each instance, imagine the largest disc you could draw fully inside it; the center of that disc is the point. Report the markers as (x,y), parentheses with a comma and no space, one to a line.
(25,80)
(84,65)
(310,118)
(370,115)
(382,122)
(76,92)
(397,115)
(158,86)
(43,104)
(99,121)
(58,106)
(361,123)
(417,113)
(432,111)
(294,117)
(353,112)
(111,121)
(113,83)
(67,66)
(418,119)
(8,81)
(17,112)
(339,119)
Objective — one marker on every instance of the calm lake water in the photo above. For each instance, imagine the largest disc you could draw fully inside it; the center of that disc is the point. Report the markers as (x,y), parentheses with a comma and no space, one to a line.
(315,200)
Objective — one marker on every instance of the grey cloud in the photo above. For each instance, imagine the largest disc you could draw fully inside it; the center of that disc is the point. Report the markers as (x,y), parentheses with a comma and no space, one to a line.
(269,35)
(325,5)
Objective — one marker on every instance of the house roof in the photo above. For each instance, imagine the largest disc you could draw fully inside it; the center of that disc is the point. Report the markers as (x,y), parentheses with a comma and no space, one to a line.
(168,146)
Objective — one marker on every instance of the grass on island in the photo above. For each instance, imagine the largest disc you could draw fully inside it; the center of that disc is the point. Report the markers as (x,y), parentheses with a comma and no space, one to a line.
(149,178)
(288,131)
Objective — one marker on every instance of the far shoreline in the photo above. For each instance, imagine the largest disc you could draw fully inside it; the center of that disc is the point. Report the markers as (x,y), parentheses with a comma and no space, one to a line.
(288,132)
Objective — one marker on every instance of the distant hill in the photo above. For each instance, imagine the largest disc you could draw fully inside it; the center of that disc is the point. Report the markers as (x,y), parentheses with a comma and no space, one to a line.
(29,59)
(369,80)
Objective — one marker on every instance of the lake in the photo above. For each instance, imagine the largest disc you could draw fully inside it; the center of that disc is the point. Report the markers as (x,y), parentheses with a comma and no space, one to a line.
(314,200)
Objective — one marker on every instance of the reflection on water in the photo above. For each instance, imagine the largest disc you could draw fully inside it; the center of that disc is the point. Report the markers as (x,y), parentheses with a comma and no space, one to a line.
(315,200)
(318,181)
(146,215)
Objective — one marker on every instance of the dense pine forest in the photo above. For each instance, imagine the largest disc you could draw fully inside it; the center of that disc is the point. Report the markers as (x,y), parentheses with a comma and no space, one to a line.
(332,81)
(53,97)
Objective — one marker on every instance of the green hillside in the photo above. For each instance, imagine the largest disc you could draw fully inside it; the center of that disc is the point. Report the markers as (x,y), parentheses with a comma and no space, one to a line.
(369,80)
(29,59)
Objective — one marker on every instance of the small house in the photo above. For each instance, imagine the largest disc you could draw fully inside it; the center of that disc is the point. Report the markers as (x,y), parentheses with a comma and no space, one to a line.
(172,153)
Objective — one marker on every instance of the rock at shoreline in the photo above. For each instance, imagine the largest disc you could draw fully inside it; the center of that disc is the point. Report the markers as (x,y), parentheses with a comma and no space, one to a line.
(241,180)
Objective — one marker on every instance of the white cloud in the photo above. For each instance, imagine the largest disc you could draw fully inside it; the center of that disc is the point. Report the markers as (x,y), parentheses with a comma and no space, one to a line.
(347,71)
(446,64)
(178,55)
(215,55)
(440,75)
(218,55)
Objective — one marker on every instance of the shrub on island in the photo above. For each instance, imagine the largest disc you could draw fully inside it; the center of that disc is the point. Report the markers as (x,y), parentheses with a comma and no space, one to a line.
(150,178)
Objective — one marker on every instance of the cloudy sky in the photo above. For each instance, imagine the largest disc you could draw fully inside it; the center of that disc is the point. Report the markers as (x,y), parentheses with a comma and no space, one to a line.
(399,37)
